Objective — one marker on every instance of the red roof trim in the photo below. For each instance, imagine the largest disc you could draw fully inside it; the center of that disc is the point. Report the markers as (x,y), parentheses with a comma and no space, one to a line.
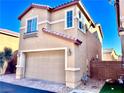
(63,36)
(48,8)
(65,5)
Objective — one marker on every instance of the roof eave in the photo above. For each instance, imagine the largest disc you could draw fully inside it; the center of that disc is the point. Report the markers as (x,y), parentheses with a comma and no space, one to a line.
(100,28)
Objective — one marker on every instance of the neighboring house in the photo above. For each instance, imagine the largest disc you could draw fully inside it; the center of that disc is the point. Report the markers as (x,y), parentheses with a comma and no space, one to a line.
(120,20)
(9,39)
(57,44)
(120,58)
(110,55)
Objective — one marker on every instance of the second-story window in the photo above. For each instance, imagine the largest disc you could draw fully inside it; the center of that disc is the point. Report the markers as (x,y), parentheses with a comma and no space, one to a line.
(96,35)
(80,21)
(32,25)
(69,19)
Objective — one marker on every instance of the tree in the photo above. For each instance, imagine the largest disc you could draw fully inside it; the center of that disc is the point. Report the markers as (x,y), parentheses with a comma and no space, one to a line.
(5,57)
(7,54)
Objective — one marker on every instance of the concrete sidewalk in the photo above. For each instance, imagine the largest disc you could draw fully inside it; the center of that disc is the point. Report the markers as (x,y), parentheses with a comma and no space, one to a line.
(93,86)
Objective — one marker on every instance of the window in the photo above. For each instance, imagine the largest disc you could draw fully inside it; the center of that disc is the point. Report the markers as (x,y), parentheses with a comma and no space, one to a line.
(96,35)
(80,25)
(32,25)
(69,19)
(79,14)
(80,21)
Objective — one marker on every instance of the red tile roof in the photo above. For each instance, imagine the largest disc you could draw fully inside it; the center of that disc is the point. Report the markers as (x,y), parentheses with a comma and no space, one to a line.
(8,32)
(63,36)
(49,8)
(64,5)
(73,2)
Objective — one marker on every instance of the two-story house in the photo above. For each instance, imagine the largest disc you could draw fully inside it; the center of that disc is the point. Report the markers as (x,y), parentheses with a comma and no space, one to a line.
(110,55)
(57,44)
(119,4)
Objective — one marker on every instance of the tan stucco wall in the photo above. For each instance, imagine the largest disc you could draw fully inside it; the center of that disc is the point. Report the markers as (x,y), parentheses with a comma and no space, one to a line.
(40,13)
(122,12)
(122,24)
(8,41)
(122,43)
(122,7)
(80,55)
(89,49)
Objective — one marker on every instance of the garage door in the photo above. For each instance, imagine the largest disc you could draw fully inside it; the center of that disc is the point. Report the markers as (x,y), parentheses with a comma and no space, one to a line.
(48,65)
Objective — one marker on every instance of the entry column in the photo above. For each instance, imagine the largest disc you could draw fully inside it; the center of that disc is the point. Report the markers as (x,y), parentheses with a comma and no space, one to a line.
(20,68)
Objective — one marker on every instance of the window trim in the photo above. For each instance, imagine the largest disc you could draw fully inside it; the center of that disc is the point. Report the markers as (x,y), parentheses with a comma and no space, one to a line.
(80,20)
(72,9)
(27,23)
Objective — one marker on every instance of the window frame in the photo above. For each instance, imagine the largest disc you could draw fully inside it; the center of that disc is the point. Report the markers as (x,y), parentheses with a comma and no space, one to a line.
(82,21)
(66,18)
(27,24)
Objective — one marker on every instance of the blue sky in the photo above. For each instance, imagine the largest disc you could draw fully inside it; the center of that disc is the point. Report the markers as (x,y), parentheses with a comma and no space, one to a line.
(100,10)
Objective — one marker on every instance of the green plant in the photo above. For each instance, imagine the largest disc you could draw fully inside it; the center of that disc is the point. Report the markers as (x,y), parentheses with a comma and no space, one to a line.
(7,53)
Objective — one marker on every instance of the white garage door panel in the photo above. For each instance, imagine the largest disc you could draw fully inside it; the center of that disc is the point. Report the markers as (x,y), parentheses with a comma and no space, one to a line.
(46,65)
